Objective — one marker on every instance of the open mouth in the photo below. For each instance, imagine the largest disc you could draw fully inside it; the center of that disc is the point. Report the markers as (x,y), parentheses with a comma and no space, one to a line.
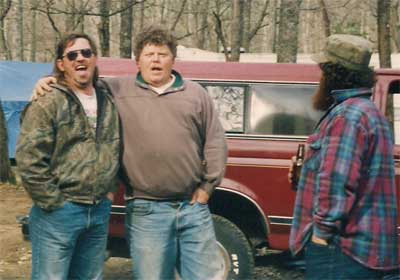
(81,68)
(156,69)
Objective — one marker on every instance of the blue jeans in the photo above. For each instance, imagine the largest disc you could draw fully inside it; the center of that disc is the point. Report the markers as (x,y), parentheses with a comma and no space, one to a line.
(168,235)
(328,262)
(69,242)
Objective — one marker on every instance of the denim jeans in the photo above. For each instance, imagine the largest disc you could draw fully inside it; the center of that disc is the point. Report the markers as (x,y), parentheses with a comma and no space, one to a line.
(168,235)
(328,262)
(69,242)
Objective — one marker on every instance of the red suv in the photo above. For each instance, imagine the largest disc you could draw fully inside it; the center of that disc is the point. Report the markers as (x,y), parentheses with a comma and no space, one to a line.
(266,112)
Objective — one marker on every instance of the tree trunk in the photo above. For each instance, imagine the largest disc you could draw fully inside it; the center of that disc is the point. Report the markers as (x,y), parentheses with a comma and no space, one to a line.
(252,31)
(162,12)
(201,23)
(104,28)
(179,15)
(325,19)
(125,38)
(220,35)
(80,19)
(275,26)
(384,33)
(141,23)
(34,4)
(4,49)
(20,28)
(394,26)
(70,16)
(288,31)
(384,46)
(236,29)
(247,13)
(5,169)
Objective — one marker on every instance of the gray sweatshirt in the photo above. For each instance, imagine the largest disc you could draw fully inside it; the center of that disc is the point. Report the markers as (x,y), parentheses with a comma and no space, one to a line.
(173,142)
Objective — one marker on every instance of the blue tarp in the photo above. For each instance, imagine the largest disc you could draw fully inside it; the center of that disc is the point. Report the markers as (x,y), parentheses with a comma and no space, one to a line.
(16,83)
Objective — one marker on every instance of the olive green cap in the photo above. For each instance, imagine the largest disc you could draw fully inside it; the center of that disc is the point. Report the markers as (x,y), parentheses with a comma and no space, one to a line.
(352,52)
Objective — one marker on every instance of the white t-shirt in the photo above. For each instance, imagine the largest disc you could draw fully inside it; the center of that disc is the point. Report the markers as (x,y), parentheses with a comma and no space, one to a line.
(89,103)
(161,89)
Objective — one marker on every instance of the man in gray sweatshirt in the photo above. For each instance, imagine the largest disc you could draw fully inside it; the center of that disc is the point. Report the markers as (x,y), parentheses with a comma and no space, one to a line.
(174,156)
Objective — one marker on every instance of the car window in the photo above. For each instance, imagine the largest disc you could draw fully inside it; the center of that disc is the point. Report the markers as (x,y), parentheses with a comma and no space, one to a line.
(392,110)
(396,118)
(229,102)
(281,109)
(265,109)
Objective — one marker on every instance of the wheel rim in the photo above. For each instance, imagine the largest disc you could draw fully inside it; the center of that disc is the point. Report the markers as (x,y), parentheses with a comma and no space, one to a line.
(226,264)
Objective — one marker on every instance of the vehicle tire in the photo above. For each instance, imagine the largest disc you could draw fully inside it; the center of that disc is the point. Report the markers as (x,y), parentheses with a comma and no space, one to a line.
(235,249)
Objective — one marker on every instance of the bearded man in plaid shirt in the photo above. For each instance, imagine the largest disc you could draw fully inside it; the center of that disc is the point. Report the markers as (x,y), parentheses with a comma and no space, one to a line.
(345,214)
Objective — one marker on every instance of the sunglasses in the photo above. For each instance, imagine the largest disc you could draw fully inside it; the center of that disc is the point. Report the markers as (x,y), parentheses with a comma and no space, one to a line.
(72,55)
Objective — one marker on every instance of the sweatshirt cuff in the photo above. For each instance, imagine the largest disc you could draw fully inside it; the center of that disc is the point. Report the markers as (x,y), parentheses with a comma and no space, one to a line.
(207,187)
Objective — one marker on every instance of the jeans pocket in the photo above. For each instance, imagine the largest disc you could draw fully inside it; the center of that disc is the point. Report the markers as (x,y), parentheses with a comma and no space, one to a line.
(314,249)
(140,207)
(203,207)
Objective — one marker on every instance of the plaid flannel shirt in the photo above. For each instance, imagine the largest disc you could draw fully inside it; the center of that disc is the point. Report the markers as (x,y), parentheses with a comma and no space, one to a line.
(346,193)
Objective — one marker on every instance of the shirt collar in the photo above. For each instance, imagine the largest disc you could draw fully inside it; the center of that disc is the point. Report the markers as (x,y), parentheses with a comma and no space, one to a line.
(177,85)
(341,95)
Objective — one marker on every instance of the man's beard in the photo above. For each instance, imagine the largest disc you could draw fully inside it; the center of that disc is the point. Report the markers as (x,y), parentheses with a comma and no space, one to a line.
(321,100)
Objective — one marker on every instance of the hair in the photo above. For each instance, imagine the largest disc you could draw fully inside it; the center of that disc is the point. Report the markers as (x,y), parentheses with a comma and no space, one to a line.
(64,42)
(335,77)
(155,35)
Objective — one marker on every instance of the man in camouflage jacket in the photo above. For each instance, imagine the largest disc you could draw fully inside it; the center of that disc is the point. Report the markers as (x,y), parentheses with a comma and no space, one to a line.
(68,159)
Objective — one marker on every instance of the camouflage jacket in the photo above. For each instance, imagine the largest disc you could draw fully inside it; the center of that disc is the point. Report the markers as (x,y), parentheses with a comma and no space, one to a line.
(60,156)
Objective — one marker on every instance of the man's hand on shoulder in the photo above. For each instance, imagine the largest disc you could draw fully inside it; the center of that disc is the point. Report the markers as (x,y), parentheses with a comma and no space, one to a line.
(42,87)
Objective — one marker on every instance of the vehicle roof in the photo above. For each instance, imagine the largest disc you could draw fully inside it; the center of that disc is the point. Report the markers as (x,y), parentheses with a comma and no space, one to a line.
(223,71)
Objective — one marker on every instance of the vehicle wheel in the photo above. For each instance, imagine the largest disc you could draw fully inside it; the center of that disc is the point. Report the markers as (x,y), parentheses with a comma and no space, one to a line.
(235,249)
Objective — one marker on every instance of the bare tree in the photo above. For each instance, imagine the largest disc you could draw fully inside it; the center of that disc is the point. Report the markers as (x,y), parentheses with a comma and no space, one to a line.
(179,15)
(20,29)
(162,12)
(276,26)
(125,39)
(288,31)
(236,29)
(251,30)
(75,15)
(325,19)
(395,25)
(70,16)
(219,31)
(104,27)
(5,168)
(383,17)
(141,22)
(201,23)
(5,6)
(33,20)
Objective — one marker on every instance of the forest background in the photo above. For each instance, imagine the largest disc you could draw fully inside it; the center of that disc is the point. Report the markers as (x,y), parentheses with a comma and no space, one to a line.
(29,29)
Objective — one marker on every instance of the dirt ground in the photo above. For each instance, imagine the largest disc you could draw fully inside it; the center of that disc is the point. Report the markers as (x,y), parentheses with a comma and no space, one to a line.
(15,253)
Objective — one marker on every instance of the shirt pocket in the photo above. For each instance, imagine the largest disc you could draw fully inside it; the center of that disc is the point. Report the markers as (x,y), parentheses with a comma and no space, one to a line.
(313,153)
